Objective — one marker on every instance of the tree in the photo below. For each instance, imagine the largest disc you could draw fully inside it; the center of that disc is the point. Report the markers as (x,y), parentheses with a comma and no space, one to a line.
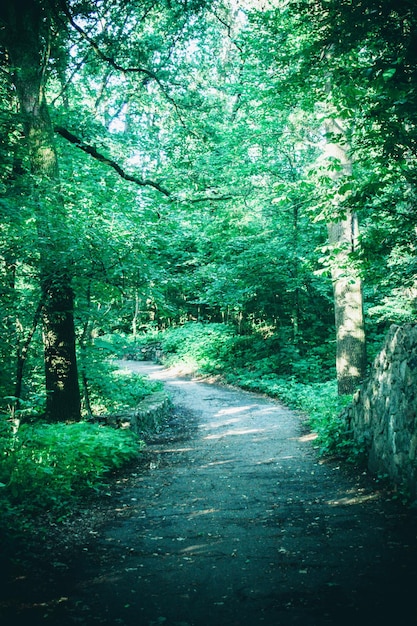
(347,284)
(117,42)
(27,38)
(188,138)
(311,74)
(375,44)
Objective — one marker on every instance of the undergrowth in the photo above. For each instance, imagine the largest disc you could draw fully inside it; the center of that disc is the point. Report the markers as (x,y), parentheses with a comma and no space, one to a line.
(47,467)
(114,390)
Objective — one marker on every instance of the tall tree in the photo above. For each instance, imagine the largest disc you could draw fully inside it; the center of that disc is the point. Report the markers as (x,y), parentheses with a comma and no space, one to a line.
(27,38)
(129,50)
(375,45)
(342,230)
(304,68)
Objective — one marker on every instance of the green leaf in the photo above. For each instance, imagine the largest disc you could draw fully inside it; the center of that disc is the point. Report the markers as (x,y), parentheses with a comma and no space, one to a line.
(389,73)
(345,188)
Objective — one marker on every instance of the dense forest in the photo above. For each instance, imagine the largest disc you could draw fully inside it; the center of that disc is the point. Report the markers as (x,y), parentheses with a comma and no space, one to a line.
(240,173)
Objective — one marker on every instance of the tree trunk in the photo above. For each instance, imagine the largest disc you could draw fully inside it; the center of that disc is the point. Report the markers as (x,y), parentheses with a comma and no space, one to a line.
(27,41)
(347,284)
(348,308)
(63,401)
(22,352)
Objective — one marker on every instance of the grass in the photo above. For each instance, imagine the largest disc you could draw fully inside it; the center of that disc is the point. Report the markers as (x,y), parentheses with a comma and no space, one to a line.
(48,467)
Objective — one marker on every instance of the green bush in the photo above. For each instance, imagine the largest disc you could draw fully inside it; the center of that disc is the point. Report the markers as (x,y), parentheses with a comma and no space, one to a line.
(216,348)
(323,406)
(202,347)
(47,466)
(121,346)
(113,390)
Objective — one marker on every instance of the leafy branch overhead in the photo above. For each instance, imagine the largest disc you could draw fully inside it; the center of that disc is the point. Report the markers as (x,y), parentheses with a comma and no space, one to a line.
(107,161)
(142,182)
(113,63)
(102,55)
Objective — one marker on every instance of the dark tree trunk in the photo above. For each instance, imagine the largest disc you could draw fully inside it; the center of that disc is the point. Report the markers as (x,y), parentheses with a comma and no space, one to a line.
(27,41)
(61,376)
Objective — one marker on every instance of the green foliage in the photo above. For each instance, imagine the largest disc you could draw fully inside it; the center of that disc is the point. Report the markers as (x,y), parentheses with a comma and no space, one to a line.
(228,115)
(201,347)
(48,466)
(112,389)
(113,345)
(218,348)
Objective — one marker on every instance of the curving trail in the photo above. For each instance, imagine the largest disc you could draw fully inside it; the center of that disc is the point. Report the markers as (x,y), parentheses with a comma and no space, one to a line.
(235,522)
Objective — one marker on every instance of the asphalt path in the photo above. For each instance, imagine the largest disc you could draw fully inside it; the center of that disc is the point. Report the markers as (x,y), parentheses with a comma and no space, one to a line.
(232,519)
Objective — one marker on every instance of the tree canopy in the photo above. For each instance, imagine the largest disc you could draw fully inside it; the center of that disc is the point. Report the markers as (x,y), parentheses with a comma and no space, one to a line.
(166,161)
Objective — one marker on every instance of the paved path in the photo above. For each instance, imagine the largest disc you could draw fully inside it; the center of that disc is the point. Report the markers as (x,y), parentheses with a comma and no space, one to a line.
(235,522)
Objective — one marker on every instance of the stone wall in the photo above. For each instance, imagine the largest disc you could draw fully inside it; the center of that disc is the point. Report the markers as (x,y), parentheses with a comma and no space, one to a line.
(147,417)
(151,412)
(383,412)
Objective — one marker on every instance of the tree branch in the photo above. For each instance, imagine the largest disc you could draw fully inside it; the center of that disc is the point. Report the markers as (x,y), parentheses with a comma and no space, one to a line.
(112,62)
(149,74)
(142,182)
(100,53)
(211,199)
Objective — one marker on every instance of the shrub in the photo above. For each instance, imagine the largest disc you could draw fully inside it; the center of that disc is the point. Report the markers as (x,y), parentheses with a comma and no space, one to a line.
(113,390)
(47,466)
(216,348)
(323,406)
(202,347)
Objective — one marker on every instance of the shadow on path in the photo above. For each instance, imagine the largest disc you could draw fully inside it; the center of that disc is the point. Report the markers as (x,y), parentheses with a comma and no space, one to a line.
(234,521)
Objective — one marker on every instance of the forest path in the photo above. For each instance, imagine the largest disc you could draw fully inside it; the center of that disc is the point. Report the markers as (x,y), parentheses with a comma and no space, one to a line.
(234,521)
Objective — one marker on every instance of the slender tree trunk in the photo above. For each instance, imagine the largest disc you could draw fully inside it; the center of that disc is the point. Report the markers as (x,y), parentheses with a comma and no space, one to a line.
(296,293)
(348,308)
(347,284)
(27,43)
(136,316)
(22,353)
(85,343)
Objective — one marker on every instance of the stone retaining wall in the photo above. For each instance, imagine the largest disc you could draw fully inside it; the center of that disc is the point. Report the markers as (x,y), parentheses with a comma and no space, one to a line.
(383,412)
(148,415)
(151,412)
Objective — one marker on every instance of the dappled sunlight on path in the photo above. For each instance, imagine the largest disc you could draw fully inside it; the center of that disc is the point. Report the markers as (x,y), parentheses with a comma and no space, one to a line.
(245,525)
(236,522)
